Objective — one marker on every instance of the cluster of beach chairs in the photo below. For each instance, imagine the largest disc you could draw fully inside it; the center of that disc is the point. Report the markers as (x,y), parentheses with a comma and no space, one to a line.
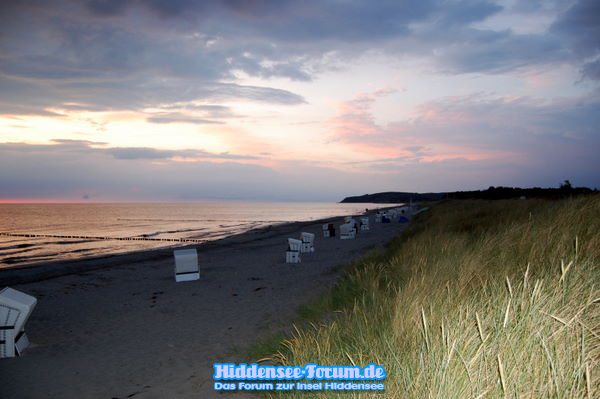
(16,306)
(347,231)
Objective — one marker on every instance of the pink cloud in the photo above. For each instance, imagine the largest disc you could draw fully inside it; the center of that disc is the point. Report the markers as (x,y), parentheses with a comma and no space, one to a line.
(473,127)
(355,123)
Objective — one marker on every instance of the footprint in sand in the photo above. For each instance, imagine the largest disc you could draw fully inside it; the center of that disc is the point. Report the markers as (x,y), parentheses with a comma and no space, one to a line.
(155,297)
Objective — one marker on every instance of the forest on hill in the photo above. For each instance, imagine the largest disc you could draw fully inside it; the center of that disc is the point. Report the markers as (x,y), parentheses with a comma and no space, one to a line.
(491,193)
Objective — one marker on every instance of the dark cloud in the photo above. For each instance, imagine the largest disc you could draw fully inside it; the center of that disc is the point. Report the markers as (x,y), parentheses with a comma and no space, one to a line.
(37,97)
(179,8)
(128,54)
(87,147)
(152,153)
(498,52)
(538,6)
(122,62)
(303,31)
(107,7)
(256,93)
(581,25)
(300,21)
(591,70)
(464,12)
(142,153)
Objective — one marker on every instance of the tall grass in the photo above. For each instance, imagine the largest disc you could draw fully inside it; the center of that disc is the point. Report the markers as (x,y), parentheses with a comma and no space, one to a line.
(475,300)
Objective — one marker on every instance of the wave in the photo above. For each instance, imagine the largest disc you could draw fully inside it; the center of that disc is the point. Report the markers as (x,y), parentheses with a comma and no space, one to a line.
(16,246)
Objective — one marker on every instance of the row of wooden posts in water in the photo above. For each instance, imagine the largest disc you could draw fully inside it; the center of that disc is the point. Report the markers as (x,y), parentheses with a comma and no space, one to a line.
(29,235)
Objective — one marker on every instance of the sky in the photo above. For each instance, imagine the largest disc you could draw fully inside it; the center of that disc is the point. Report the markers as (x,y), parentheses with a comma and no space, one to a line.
(294,100)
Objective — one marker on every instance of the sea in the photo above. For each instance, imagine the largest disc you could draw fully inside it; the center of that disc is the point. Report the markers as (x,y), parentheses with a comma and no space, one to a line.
(32,233)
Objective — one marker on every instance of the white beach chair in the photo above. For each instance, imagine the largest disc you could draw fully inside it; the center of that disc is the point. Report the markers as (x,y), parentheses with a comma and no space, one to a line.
(352,221)
(292,255)
(308,242)
(15,308)
(186,265)
(347,231)
(364,223)
(326,230)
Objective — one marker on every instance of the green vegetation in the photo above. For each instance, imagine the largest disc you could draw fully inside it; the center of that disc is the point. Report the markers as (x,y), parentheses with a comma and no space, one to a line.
(564,190)
(477,299)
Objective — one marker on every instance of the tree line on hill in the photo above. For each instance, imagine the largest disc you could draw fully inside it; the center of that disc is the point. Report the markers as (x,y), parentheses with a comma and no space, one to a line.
(492,193)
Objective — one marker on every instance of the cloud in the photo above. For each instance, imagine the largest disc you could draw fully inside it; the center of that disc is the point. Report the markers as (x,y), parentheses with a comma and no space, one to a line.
(498,52)
(143,153)
(152,153)
(179,118)
(106,8)
(213,111)
(72,169)
(86,147)
(121,60)
(581,25)
(520,131)
(190,112)
(591,70)
(130,54)
(355,124)
(134,94)
(184,61)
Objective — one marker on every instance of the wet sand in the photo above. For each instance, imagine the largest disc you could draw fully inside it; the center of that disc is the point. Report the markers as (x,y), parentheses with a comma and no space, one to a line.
(121,327)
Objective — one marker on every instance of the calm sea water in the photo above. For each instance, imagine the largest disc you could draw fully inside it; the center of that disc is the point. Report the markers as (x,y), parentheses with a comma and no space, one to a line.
(67,231)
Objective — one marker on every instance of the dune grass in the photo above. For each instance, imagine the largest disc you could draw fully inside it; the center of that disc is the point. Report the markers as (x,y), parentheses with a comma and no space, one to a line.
(477,299)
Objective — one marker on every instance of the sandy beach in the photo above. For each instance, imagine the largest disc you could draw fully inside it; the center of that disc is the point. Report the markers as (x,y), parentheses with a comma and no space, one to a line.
(120,327)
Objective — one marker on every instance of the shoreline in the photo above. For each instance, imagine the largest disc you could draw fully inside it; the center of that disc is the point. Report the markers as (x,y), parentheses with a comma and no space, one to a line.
(37,271)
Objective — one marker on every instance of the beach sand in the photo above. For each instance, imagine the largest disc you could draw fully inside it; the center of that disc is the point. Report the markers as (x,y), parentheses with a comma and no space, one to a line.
(120,327)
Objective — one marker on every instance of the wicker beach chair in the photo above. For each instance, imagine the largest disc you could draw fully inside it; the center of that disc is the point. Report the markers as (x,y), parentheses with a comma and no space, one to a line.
(347,231)
(364,223)
(186,265)
(15,308)
(308,242)
(292,255)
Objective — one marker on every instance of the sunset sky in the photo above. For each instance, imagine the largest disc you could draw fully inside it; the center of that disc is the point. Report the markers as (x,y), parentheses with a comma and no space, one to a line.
(181,100)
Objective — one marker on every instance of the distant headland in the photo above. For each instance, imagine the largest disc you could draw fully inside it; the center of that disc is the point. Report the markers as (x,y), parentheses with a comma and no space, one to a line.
(394,197)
